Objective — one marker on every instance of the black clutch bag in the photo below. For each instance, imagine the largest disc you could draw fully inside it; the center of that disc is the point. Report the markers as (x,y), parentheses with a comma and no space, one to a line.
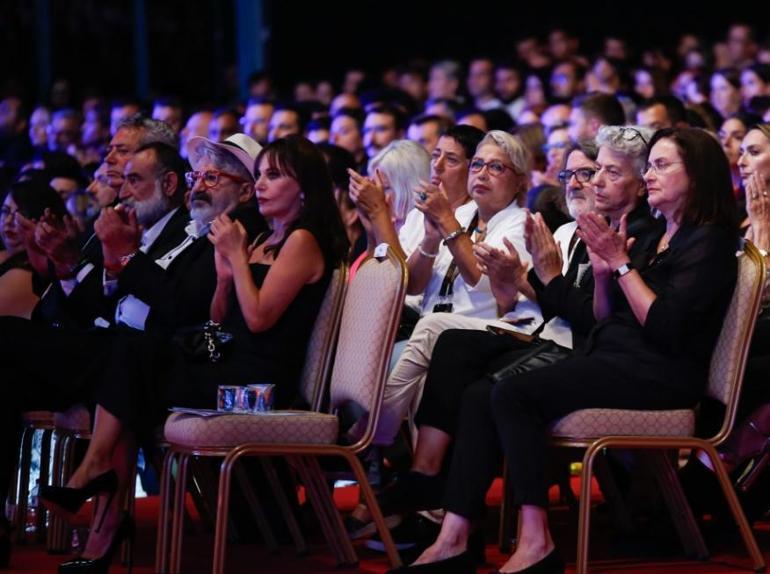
(204,343)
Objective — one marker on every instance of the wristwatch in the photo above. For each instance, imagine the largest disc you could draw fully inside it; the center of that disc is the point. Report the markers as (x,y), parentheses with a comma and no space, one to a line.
(624,269)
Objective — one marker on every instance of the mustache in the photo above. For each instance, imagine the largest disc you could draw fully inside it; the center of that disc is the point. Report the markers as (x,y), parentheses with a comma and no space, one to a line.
(200,196)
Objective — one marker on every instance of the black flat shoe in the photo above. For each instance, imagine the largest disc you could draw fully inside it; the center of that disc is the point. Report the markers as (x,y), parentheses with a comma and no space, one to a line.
(67,501)
(460,564)
(550,564)
(101,565)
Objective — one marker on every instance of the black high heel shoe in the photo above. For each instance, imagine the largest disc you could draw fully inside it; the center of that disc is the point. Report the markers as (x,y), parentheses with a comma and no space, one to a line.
(67,501)
(101,565)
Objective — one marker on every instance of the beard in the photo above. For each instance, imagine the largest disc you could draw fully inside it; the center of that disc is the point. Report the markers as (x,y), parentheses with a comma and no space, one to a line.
(150,210)
(204,207)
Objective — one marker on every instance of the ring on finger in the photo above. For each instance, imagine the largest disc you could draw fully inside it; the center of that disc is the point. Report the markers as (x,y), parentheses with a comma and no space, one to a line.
(423,196)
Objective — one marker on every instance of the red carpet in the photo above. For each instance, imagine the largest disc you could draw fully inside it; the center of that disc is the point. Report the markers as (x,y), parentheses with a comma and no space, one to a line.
(608,554)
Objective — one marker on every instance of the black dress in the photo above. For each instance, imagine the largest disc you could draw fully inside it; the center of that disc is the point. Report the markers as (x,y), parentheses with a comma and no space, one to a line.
(147,374)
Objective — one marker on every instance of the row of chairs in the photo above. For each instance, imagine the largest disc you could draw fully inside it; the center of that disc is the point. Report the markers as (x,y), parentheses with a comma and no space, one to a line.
(362,319)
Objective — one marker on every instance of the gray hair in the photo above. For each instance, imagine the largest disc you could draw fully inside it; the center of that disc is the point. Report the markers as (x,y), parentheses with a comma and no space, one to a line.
(631,141)
(405,163)
(513,147)
(152,130)
(223,159)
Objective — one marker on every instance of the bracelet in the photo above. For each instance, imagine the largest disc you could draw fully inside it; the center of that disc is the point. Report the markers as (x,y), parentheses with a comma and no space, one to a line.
(426,254)
(456,233)
(114,270)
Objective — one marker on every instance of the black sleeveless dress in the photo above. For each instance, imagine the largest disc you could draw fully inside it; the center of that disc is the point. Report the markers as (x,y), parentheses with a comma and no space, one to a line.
(147,375)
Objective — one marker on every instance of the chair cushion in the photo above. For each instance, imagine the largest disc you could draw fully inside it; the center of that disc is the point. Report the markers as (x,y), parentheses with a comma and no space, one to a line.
(294,427)
(594,423)
(76,419)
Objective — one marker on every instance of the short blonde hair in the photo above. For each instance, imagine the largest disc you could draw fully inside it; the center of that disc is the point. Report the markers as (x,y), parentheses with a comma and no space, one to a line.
(405,163)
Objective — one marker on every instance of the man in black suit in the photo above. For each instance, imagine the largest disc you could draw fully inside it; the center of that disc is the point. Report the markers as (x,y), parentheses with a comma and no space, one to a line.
(159,278)
(68,276)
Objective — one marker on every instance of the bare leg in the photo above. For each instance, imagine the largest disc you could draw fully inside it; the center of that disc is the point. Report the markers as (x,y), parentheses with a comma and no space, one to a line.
(430,451)
(451,541)
(106,520)
(98,458)
(535,541)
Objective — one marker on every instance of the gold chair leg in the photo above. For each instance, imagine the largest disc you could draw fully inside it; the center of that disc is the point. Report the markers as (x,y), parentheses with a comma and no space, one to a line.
(223,505)
(679,509)
(177,524)
(256,508)
(584,515)
(349,556)
(317,498)
(735,508)
(280,496)
(374,508)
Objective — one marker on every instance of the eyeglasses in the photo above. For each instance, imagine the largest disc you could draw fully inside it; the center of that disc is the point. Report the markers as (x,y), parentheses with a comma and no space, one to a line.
(7,212)
(582,175)
(558,145)
(630,134)
(210,177)
(495,167)
(658,166)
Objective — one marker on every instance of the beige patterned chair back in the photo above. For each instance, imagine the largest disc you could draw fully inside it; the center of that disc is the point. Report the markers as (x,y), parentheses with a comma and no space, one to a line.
(729,358)
(370,318)
(320,348)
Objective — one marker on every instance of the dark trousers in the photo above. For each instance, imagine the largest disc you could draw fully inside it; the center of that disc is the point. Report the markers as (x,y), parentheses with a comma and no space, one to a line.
(460,357)
(512,418)
(42,369)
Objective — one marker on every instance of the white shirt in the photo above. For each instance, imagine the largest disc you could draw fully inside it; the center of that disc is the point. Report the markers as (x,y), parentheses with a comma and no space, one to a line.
(412,233)
(478,301)
(132,311)
(557,329)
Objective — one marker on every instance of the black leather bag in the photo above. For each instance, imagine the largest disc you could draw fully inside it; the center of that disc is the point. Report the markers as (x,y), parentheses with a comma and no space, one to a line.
(541,354)
(204,343)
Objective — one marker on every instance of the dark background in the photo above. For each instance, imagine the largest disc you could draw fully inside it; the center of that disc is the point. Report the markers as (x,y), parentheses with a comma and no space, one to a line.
(192,45)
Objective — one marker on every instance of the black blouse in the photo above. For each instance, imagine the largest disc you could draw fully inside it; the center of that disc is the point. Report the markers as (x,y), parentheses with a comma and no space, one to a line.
(694,281)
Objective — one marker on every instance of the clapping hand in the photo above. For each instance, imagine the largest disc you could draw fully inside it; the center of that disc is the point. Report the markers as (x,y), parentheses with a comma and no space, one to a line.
(57,237)
(607,248)
(507,274)
(433,203)
(368,193)
(229,238)
(545,251)
(119,231)
(758,209)
(36,255)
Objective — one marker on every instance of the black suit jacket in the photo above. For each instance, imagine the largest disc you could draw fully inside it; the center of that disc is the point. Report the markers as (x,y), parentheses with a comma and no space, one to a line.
(87,301)
(574,303)
(180,295)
